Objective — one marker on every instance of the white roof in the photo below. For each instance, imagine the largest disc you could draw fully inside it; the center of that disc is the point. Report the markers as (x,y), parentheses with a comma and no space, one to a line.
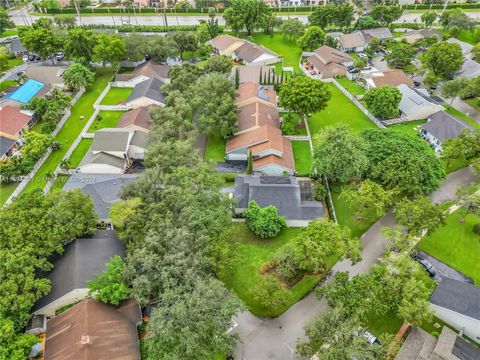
(416,106)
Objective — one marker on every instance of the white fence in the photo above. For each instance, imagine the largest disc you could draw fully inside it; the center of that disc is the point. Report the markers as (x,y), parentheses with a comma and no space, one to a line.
(121,107)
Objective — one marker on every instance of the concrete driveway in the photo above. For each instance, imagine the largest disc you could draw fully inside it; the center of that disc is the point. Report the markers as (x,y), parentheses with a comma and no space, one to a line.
(262,338)
(444,271)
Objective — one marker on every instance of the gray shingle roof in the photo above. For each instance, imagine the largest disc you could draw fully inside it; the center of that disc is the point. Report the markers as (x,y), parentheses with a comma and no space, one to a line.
(470,69)
(379,33)
(5,144)
(111,140)
(149,88)
(81,260)
(103,189)
(16,46)
(458,296)
(444,126)
(281,191)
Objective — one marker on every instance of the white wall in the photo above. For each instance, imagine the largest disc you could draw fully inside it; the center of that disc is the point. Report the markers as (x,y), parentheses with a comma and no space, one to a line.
(273,170)
(136,152)
(469,326)
(67,299)
(265,59)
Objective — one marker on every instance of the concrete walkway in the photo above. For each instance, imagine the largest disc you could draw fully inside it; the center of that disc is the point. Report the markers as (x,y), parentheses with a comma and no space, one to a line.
(263,338)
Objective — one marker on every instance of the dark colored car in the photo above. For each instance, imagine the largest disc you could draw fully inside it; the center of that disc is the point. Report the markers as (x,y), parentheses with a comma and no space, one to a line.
(426,264)
(416,83)
(148,57)
(31,57)
(37,58)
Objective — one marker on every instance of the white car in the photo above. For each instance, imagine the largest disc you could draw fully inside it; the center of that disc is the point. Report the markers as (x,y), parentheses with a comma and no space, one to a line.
(25,58)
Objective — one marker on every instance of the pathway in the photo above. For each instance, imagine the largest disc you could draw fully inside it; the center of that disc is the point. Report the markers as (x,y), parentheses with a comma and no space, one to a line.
(263,338)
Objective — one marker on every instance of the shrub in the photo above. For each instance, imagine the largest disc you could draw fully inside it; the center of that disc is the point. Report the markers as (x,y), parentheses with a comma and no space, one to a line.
(287,265)
(264,222)
(476,228)
(320,191)
(288,128)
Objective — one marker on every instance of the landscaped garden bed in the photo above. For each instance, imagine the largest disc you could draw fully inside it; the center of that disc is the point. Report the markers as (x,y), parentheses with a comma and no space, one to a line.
(292,125)
(116,96)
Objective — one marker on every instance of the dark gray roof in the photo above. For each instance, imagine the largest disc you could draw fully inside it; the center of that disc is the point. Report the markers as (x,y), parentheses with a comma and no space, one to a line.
(16,46)
(149,88)
(140,139)
(464,350)
(281,191)
(111,140)
(5,144)
(444,126)
(81,260)
(103,189)
(379,33)
(458,296)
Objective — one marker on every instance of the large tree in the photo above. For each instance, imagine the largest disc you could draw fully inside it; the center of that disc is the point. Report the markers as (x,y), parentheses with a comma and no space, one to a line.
(162,47)
(455,21)
(401,55)
(339,154)
(264,222)
(304,95)
(79,43)
(444,58)
(110,287)
(78,76)
(248,14)
(322,16)
(383,101)
(292,28)
(5,21)
(312,39)
(42,41)
(366,22)
(386,15)
(428,18)
(136,46)
(185,41)
(456,87)
(109,49)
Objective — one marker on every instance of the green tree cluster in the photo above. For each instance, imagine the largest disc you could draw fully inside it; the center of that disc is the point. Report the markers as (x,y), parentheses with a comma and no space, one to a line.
(247,14)
(264,222)
(455,21)
(5,21)
(386,14)
(312,39)
(383,101)
(292,28)
(78,76)
(444,58)
(332,15)
(401,55)
(50,111)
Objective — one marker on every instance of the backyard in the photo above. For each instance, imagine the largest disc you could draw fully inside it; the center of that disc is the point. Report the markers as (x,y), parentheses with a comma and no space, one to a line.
(116,96)
(79,152)
(6,190)
(351,86)
(81,112)
(302,156)
(105,119)
(215,149)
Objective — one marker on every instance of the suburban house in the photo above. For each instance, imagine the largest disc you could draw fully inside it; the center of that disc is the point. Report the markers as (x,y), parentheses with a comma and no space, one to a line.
(25,93)
(381,34)
(225,44)
(466,47)
(92,330)
(393,77)
(7,147)
(48,75)
(251,74)
(415,35)
(13,123)
(470,69)
(147,70)
(442,126)
(327,62)
(291,196)
(420,345)
(458,304)
(16,47)
(103,189)
(113,151)
(81,261)
(415,104)
(353,42)
(136,119)
(258,132)
(146,93)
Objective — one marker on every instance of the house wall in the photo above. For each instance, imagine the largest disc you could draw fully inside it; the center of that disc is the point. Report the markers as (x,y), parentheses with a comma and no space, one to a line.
(274,170)
(469,326)
(266,153)
(265,59)
(100,169)
(354,49)
(130,83)
(432,140)
(143,101)
(67,299)
(136,152)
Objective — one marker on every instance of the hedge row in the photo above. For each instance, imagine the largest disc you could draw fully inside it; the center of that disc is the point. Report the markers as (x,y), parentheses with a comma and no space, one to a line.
(145,28)
(440,6)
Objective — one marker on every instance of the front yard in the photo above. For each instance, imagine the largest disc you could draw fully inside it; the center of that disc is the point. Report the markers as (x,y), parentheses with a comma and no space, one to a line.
(116,96)
(302,156)
(6,190)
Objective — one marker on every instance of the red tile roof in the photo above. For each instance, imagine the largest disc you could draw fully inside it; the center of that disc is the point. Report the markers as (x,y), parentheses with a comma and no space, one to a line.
(12,120)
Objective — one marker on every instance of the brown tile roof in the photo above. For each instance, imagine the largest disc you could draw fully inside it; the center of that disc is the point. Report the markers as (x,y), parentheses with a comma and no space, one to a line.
(251,90)
(248,52)
(91,330)
(148,69)
(328,54)
(274,142)
(257,114)
(285,161)
(222,42)
(12,120)
(251,138)
(352,40)
(138,117)
(328,70)
(392,78)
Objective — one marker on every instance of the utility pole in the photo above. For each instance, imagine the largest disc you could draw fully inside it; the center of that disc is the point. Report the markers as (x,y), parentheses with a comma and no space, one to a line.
(165,13)
(77,9)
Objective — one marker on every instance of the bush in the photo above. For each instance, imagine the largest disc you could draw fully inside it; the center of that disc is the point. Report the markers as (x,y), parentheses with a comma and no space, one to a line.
(320,191)
(287,265)
(264,222)
(476,228)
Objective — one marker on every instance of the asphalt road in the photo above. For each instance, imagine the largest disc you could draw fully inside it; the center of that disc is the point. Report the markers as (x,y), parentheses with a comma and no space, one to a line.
(263,338)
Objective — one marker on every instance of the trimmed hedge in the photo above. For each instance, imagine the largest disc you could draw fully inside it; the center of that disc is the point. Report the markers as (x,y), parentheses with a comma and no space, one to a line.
(146,28)
(440,6)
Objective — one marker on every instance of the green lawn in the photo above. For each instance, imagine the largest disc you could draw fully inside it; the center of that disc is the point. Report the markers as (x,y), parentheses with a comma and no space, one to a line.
(59,182)
(253,252)
(215,149)
(6,190)
(14,62)
(339,110)
(106,119)
(116,96)
(351,86)
(467,36)
(303,157)
(461,115)
(79,152)
(10,32)
(72,128)
(4,85)
(456,244)
(474,102)
(383,324)
(408,127)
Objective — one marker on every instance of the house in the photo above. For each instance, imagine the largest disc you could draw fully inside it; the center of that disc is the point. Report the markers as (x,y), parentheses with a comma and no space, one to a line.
(225,44)
(415,35)
(353,42)
(136,119)
(249,93)
(113,151)
(146,93)
(103,189)
(92,330)
(442,126)
(49,75)
(147,70)
(81,260)
(381,34)
(389,78)
(251,74)
(327,62)
(292,197)
(466,47)
(458,304)
(421,345)
(16,47)
(15,121)
(24,94)
(470,69)
(8,147)
(253,54)
(415,104)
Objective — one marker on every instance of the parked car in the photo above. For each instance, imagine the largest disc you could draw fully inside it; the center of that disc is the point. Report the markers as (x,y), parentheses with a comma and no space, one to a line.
(416,83)
(148,57)
(37,58)
(31,57)
(426,264)
(363,55)
(59,56)
(25,58)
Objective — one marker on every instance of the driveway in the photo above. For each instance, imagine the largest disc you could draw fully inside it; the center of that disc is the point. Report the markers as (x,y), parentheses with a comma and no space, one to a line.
(444,271)
(262,338)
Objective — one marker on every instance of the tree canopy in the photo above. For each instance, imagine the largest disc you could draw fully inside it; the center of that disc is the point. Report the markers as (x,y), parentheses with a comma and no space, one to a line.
(109,287)
(383,101)
(444,58)
(247,14)
(312,39)
(78,76)
(401,55)
(264,222)
(386,15)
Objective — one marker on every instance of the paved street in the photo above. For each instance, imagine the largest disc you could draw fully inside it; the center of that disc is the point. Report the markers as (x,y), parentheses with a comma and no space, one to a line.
(276,338)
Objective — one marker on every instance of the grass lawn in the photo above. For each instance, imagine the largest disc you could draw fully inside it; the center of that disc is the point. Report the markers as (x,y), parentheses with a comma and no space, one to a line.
(408,127)
(72,128)
(456,244)
(59,182)
(6,190)
(253,252)
(14,62)
(383,324)
(474,102)
(339,110)
(303,157)
(351,86)
(4,85)
(79,152)
(215,149)
(10,32)
(467,36)
(116,96)
(461,115)
(109,119)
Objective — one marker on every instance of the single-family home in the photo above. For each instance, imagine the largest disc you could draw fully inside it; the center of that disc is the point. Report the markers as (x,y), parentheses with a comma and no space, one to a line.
(251,74)
(137,119)
(415,104)
(146,93)
(225,44)
(16,47)
(466,47)
(442,126)
(81,260)
(24,94)
(292,197)
(49,75)
(252,54)
(145,71)
(327,62)
(415,35)
(420,345)
(470,69)
(103,189)
(13,123)
(92,330)
(8,147)
(353,42)
(381,34)
(458,304)
(114,150)
(393,77)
